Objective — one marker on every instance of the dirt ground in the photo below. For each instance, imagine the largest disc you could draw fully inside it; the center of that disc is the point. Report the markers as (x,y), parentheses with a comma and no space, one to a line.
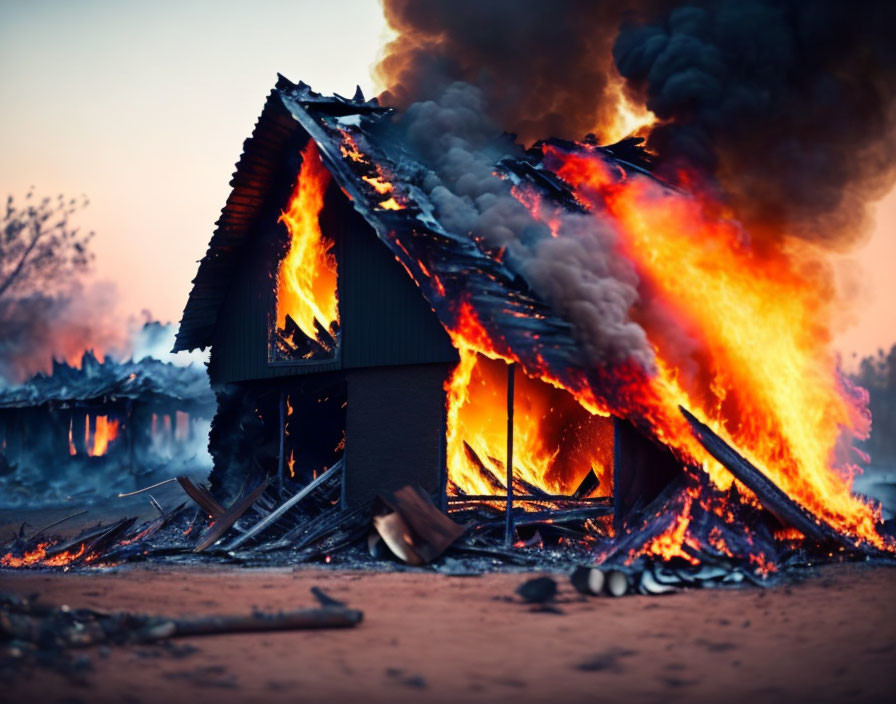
(433,638)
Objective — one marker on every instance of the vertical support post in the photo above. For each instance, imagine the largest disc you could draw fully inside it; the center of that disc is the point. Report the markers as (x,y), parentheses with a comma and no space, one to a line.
(508,525)
(280,454)
(443,457)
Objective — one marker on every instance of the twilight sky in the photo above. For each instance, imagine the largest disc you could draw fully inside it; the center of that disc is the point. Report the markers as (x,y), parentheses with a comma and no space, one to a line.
(144,108)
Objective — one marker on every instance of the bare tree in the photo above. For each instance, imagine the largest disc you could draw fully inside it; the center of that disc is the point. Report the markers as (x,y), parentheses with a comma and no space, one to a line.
(39,250)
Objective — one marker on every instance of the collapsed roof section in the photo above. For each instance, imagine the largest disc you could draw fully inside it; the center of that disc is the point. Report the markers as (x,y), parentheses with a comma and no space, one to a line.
(148,380)
(381,177)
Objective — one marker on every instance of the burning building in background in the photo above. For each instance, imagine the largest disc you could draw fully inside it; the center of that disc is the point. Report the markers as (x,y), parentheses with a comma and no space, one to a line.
(102,424)
(421,298)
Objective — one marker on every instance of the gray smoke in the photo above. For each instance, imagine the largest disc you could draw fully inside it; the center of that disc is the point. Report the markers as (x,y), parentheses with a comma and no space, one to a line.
(38,327)
(578,272)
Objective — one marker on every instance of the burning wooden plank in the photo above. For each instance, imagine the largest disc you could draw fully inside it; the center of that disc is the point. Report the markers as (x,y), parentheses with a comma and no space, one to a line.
(772,497)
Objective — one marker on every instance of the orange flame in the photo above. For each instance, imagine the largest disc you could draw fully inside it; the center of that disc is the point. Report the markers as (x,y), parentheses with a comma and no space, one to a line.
(64,558)
(306,279)
(630,118)
(31,557)
(757,323)
(37,557)
(106,431)
(556,439)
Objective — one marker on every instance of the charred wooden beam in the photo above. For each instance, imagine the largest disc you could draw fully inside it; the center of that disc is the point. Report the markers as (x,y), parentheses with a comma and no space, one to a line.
(588,485)
(290,503)
(529,498)
(508,516)
(202,497)
(225,522)
(772,497)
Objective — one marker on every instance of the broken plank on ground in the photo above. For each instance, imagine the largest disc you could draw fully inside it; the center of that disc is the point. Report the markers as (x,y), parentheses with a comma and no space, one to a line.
(225,522)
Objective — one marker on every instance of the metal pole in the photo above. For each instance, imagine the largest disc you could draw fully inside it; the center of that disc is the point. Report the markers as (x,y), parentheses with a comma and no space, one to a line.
(508,526)
(280,457)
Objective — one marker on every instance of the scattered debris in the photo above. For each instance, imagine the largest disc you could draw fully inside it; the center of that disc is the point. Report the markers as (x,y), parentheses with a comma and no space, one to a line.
(30,629)
(415,531)
(776,501)
(225,521)
(538,590)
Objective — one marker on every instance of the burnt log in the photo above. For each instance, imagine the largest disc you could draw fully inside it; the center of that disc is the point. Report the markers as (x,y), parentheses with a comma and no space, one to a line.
(304,619)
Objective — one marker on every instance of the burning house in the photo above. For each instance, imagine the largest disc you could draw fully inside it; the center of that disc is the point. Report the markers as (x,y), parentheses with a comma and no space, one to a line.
(117,420)
(355,311)
(341,317)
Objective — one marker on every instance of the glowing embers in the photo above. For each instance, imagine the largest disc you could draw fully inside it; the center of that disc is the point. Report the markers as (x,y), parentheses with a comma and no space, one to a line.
(99,432)
(307,324)
(556,441)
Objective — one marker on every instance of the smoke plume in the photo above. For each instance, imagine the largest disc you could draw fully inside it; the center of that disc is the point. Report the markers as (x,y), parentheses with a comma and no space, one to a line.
(788,107)
(545,68)
(791,105)
(577,272)
(36,328)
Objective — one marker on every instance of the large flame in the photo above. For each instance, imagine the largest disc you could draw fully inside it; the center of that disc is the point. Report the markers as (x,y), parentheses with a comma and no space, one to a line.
(307,277)
(556,442)
(751,356)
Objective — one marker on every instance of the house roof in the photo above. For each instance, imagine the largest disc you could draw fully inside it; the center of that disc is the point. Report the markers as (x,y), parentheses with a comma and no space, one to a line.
(450,269)
(148,380)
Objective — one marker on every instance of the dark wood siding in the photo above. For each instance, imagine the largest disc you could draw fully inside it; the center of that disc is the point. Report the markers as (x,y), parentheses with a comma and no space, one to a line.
(385,320)
(394,429)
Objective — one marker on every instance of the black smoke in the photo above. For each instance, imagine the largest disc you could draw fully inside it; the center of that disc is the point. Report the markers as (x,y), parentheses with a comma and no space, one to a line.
(546,68)
(786,107)
(790,105)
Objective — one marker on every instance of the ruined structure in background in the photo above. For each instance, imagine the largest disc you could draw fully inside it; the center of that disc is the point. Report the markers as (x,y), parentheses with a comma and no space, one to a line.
(118,420)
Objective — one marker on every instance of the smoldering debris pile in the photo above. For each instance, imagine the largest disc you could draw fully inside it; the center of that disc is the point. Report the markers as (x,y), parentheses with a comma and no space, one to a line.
(406,530)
